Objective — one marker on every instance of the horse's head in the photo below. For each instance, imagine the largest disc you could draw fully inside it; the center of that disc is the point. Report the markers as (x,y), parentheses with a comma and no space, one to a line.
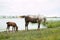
(44,20)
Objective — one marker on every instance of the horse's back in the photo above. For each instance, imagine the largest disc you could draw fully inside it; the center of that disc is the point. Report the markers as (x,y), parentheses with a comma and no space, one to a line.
(11,23)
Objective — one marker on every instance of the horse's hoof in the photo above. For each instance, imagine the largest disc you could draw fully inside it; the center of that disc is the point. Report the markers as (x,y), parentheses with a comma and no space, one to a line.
(38,29)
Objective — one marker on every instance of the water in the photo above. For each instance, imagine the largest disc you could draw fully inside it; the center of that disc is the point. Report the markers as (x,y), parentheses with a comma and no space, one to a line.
(53,19)
(21,23)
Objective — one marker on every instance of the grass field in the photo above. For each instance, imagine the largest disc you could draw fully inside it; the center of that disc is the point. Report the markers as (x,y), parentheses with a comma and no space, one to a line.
(52,24)
(42,34)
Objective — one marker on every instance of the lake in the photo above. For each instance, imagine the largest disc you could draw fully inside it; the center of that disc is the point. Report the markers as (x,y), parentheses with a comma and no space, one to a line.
(21,23)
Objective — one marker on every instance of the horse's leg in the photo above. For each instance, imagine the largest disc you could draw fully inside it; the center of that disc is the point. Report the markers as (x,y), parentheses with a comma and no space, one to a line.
(12,29)
(26,25)
(39,24)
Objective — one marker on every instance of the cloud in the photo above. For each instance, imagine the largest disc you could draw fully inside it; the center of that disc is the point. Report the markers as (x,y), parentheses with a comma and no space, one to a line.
(25,7)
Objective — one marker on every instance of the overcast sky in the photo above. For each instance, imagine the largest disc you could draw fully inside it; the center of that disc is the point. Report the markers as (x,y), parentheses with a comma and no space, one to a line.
(30,7)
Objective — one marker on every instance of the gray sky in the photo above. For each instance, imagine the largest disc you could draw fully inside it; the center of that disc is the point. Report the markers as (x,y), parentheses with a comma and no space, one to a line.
(30,7)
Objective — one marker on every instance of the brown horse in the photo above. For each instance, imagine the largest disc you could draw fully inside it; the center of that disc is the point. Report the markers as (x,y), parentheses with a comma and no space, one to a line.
(33,19)
(13,24)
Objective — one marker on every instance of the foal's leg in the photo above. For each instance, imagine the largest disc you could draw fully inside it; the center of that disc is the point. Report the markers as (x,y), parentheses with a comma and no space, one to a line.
(13,29)
(26,25)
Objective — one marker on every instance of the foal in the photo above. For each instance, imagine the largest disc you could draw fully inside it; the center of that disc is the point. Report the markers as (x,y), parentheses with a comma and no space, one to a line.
(13,24)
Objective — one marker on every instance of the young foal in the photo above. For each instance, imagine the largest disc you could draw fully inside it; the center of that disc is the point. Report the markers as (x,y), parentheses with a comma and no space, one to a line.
(13,24)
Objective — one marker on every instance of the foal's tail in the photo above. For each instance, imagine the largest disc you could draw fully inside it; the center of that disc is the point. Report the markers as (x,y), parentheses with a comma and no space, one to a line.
(16,28)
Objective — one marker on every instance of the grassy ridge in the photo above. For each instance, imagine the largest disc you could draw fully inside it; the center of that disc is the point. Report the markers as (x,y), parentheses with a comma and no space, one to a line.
(53,24)
(42,34)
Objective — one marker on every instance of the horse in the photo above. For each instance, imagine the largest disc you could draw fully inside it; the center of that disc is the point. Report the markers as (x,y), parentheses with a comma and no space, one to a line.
(33,19)
(13,25)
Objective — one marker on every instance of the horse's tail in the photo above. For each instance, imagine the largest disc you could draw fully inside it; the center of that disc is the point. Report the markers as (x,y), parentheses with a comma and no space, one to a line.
(21,16)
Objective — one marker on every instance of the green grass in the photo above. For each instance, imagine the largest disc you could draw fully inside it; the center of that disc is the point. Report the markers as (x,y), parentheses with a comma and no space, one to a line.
(53,24)
(42,34)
